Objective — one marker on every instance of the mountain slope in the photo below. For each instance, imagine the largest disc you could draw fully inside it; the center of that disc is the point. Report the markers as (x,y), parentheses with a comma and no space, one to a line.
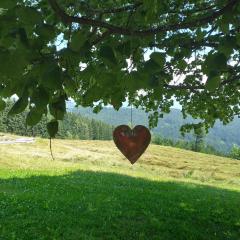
(220,137)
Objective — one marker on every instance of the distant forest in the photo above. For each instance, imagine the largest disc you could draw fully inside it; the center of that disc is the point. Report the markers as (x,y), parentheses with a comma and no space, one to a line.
(73,126)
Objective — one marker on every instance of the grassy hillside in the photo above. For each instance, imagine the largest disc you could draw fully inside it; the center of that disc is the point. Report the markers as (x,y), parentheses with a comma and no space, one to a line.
(220,137)
(91,192)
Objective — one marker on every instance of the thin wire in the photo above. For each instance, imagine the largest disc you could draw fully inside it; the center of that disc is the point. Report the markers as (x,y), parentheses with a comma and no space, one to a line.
(50,140)
(195,53)
(154,49)
(195,57)
(131,115)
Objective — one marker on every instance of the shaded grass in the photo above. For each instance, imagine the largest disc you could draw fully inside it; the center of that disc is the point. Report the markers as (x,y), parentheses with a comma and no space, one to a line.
(96,205)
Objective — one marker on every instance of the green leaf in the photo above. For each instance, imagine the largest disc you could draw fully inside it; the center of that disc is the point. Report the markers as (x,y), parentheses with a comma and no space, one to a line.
(124,48)
(58,108)
(153,82)
(220,61)
(2,105)
(227,45)
(23,36)
(224,27)
(181,64)
(238,38)
(40,98)
(29,15)
(215,62)
(51,77)
(33,117)
(46,32)
(151,66)
(19,106)
(200,34)
(7,4)
(7,91)
(77,41)
(158,58)
(52,128)
(224,22)
(213,81)
(108,56)
(70,84)
(69,58)
(13,63)
(97,108)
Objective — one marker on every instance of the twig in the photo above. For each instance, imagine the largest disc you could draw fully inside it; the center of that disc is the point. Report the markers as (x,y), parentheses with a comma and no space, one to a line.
(50,141)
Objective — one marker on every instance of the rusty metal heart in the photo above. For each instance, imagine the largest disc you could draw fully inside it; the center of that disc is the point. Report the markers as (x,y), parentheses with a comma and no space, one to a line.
(131,142)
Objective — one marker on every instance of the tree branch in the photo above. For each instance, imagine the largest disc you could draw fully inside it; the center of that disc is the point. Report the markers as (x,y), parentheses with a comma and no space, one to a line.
(185,86)
(141,32)
(192,45)
(116,10)
(192,11)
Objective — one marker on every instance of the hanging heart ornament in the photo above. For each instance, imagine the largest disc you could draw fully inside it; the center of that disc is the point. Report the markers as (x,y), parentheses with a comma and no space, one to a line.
(131,142)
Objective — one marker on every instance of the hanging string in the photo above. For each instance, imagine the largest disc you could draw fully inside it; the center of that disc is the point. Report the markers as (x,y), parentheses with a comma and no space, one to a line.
(50,146)
(195,56)
(130,67)
(155,38)
(131,116)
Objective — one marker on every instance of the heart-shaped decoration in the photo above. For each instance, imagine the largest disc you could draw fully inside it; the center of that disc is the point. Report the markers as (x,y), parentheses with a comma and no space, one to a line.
(131,142)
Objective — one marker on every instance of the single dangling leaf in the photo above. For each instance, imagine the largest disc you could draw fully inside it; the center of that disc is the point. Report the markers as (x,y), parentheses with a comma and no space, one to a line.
(52,128)
(158,58)
(213,82)
(58,108)
(19,106)
(33,117)
(108,56)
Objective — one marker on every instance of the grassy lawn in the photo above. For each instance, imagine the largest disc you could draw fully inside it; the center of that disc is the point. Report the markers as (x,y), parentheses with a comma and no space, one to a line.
(91,192)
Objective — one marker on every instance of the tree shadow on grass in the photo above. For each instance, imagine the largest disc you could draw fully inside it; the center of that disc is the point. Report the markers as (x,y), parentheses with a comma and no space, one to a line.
(97,205)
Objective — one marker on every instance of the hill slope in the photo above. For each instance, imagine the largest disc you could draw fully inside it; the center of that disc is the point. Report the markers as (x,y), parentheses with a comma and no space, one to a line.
(156,163)
(92,192)
(220,137)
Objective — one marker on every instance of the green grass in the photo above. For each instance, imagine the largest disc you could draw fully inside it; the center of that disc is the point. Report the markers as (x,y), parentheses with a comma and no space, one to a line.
(92,192)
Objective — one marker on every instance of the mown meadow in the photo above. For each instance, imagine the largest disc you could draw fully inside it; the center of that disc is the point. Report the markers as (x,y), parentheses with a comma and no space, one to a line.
(90,191)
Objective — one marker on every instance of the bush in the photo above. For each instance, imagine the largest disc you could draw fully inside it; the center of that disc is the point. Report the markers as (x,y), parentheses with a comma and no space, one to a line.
(188,145)
(235,152)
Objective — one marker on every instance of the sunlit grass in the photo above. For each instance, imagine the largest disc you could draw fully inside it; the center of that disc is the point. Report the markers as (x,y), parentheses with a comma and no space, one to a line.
(158,162)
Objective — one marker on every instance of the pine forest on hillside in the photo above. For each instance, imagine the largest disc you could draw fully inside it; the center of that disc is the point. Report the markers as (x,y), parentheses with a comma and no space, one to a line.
(73,126)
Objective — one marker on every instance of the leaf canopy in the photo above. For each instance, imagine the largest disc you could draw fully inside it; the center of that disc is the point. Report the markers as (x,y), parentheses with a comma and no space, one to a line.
(107,52)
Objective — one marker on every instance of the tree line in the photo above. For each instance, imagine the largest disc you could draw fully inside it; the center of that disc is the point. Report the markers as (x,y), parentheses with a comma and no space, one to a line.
(73,126)
(197,145)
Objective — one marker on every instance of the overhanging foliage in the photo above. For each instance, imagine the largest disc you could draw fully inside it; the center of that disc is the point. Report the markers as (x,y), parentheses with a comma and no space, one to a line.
(52,50)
